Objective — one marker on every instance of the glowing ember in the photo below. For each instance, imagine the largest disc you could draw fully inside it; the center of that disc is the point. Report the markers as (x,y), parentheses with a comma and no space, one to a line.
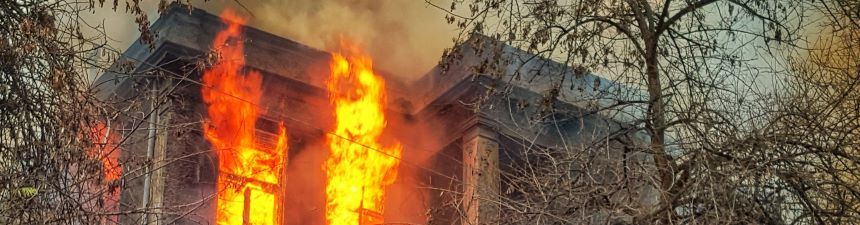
(358,170)
(248,175)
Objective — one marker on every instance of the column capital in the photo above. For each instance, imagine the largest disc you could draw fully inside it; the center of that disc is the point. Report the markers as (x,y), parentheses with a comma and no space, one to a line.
(479,126)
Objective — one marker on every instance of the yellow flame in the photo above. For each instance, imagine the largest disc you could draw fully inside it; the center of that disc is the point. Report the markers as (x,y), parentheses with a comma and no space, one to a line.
(357,171)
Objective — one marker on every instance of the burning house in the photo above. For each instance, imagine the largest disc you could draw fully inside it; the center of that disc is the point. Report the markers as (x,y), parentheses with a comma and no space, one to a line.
(239,126)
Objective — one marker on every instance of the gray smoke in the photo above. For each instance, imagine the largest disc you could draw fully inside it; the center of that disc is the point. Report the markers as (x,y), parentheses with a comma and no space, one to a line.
(404,37)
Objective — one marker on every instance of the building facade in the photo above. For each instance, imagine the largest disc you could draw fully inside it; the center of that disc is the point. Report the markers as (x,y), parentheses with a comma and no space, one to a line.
(462,127)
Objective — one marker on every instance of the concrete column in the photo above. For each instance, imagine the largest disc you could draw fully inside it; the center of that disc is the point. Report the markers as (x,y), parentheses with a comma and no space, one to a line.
(150,154)
(481,182)
(158,170)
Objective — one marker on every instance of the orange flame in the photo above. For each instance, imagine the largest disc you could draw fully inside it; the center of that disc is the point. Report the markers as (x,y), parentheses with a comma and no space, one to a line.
(358,169)
(106,150)
(248,176)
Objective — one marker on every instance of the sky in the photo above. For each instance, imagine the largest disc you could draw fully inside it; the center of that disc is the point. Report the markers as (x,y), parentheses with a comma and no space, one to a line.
(405,37)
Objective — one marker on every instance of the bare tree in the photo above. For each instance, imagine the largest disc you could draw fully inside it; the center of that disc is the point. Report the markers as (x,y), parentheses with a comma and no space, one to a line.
(733,136)
(822,114)
(58,146)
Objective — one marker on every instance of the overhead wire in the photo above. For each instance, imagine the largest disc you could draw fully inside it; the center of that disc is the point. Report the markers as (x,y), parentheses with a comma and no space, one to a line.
(315,127)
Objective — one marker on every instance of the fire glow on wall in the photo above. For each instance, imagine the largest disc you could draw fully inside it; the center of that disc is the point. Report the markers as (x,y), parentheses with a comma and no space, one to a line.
(106,150)
(250,178)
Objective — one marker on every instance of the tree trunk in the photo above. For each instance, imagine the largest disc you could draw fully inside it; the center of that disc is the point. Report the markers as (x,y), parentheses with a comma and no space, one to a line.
(656,124)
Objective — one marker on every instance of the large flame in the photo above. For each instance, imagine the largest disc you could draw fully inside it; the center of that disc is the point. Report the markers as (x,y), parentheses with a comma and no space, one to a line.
(248,177)
(358,168)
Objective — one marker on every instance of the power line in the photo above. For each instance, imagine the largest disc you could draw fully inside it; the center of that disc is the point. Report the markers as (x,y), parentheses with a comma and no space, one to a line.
(315,127)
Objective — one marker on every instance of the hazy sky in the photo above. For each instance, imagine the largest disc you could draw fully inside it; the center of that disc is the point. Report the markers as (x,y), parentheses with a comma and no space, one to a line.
(405,37)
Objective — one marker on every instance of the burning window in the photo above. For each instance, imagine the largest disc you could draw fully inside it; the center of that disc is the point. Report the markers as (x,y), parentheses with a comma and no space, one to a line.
(249,174)
(359,168)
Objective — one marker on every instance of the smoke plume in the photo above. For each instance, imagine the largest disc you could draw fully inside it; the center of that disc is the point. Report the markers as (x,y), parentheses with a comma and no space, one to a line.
(405,38)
